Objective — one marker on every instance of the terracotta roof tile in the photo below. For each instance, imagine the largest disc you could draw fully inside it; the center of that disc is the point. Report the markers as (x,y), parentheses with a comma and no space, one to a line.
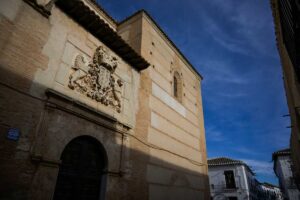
(223,161)
(282,152)
(103,10)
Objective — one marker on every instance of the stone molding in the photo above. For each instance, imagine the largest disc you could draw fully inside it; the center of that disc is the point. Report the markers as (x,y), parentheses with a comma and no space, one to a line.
(44,161)
(60,101)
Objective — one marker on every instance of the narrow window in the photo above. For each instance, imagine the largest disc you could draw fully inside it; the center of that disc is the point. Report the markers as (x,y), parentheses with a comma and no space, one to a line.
(229,178)
(175,87)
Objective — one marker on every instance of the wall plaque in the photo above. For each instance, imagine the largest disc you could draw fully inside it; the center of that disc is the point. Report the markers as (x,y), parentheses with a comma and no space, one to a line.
(13,134)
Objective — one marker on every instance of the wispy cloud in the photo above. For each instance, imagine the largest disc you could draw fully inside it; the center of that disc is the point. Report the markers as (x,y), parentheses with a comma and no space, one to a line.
(214,135)
(223,38)
(223,84)
(247,151)
(237,29)
(222,71)
(260,167)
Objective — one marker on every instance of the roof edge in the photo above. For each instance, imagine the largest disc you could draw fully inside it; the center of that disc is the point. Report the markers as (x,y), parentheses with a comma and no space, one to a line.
(164,34)
(230,162)
(87,19)
(282,152)
(94,2)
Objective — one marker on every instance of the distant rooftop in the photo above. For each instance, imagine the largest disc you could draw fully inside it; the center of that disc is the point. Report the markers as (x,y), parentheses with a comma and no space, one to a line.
(283,152)
(275,155)
(223,161)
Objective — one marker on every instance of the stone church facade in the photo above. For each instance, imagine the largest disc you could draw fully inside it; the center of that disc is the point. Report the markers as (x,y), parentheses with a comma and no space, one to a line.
(92,108)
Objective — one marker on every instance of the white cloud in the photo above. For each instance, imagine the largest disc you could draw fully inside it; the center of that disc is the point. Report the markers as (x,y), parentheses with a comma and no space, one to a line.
(222,72)
(223,38)
(245,150)
(214,135)
(245,33)
(260,167)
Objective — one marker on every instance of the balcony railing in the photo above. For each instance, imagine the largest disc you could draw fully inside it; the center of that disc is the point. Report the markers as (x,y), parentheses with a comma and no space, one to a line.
(222,188)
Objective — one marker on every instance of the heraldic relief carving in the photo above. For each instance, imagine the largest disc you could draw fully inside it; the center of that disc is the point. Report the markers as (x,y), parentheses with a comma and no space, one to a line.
(96,79)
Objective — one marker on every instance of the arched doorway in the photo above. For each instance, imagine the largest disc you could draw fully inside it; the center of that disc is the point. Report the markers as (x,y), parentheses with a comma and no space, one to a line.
(82,171)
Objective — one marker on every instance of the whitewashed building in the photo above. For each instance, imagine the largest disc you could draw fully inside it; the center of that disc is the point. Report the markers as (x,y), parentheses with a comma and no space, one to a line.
(269,192)
(282,169)
(234,180)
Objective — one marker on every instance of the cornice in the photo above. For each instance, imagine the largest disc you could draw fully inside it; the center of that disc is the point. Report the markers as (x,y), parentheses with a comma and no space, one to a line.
(89,20)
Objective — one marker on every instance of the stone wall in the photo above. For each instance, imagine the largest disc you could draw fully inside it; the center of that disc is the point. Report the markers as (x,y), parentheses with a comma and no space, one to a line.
(19,61)
(175,128)
(284,173)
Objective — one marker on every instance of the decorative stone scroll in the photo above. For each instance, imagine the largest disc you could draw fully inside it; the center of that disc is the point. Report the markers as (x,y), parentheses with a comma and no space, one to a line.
(96,79)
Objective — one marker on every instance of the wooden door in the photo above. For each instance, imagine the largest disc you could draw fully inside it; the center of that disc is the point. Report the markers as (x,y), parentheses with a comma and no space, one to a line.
(81,171)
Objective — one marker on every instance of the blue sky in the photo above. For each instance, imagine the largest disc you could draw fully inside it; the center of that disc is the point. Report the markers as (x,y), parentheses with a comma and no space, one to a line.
(232,45)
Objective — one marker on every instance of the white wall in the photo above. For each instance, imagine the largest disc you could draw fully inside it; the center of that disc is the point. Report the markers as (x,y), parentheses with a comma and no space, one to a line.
(284,173)
(217,178)
(275,190)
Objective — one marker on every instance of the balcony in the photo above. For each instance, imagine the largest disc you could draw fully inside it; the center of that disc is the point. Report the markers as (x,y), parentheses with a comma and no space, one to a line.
(222,188)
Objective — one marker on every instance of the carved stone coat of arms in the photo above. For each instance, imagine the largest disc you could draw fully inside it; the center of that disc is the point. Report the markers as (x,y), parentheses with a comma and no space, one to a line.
(96,79)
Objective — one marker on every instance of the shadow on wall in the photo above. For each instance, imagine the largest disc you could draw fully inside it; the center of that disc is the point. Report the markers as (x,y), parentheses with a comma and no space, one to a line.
(30,165)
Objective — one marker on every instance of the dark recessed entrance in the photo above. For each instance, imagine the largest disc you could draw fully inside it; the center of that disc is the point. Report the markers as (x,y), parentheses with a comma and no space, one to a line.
(81,174)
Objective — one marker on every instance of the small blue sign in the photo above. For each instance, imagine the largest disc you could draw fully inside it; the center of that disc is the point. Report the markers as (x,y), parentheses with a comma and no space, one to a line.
(13,134)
